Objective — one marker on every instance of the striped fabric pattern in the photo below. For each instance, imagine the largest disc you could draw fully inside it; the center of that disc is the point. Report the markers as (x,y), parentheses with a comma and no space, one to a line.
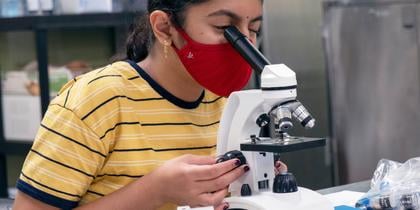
(110,127)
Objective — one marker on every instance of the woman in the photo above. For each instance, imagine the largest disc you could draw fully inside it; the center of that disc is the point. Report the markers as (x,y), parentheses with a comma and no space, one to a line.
(141,134)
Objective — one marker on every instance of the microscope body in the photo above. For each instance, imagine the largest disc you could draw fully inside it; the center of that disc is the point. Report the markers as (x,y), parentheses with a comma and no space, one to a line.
(240,126)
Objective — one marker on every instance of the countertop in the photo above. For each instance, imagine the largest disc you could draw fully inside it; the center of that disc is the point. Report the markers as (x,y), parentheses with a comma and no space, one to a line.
(6,204)
(363,186)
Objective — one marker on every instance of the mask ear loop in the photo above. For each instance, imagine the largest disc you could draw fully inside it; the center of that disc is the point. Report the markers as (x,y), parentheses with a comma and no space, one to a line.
(173,20)
(184,34)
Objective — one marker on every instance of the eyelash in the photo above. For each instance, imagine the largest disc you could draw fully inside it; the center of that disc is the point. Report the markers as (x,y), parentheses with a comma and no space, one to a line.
(221,27)
(257,32)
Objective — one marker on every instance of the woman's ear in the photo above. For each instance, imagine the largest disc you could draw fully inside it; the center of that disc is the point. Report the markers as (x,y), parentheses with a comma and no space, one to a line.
(161,26)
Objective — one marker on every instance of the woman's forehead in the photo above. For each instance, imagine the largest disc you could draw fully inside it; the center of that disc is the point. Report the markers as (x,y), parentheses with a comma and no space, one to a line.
(231,8)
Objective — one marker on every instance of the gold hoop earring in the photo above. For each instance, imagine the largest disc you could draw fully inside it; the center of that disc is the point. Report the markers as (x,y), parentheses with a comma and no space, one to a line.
(165,49)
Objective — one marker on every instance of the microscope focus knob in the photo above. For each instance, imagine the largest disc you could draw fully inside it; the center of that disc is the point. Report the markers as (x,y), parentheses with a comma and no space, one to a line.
(285,183)
(246,190)
(232,155)
(263,120)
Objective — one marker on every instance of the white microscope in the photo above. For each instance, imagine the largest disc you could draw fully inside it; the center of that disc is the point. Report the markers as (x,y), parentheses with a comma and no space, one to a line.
(243,118)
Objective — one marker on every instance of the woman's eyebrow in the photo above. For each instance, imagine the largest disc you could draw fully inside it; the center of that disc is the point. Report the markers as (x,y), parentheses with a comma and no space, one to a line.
(259,18)
(232,15)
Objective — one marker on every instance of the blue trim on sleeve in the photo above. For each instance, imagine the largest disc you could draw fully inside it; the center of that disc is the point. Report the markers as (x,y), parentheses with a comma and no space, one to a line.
(45,197)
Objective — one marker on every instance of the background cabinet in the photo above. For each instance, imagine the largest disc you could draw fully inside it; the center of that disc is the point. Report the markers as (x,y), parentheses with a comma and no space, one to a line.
(111,28)
(374,74)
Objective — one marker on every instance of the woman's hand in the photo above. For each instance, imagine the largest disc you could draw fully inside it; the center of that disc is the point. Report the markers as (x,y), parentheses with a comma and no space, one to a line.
(196,180)
(280,167)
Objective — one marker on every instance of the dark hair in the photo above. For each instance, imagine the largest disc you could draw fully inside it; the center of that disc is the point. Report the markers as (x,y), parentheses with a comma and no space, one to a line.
(141,37)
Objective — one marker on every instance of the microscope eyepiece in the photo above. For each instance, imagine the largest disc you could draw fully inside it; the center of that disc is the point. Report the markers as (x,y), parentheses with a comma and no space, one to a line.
(232,34)
(247,50)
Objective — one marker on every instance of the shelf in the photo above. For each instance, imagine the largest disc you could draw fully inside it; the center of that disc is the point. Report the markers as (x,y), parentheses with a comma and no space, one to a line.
(67,21)
(40,25)
(15,147)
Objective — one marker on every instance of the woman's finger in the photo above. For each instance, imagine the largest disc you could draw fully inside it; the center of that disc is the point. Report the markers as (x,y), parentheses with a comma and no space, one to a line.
(213,199)
(210,172)
(280,167)
(223,181)
(222,206)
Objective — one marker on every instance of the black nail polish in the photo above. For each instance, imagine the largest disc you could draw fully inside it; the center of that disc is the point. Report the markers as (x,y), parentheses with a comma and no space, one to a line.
(246,168)
(237,162)
(226,207)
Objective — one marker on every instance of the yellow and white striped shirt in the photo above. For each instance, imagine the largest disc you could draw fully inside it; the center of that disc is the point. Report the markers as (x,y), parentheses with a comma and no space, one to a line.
(109,127)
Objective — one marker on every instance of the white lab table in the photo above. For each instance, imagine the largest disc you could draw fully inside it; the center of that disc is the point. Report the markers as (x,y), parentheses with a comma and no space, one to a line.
(6,204)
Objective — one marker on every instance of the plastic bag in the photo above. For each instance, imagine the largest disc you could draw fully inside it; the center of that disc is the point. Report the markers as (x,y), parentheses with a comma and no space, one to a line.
(394,186)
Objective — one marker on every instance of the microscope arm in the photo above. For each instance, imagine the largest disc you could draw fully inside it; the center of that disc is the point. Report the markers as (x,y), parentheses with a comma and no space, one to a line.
(240,114)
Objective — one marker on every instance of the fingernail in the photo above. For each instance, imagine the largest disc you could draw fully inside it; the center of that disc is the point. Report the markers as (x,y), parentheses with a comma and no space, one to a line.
(226,207)
(246,168)
(237,162)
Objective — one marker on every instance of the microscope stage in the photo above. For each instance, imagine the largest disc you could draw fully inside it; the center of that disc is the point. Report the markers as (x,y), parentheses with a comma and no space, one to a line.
(288,144)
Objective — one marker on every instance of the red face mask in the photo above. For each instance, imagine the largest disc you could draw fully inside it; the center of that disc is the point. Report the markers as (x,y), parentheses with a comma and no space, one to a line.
(218,68)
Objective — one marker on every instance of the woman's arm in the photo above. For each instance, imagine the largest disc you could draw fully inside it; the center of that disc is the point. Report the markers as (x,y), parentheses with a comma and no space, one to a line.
(137,195)
(24,201)
(140,194)
(186,180)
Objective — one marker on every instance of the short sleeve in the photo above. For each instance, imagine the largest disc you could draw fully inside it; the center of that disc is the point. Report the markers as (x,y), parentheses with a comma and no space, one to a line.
(63,161)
